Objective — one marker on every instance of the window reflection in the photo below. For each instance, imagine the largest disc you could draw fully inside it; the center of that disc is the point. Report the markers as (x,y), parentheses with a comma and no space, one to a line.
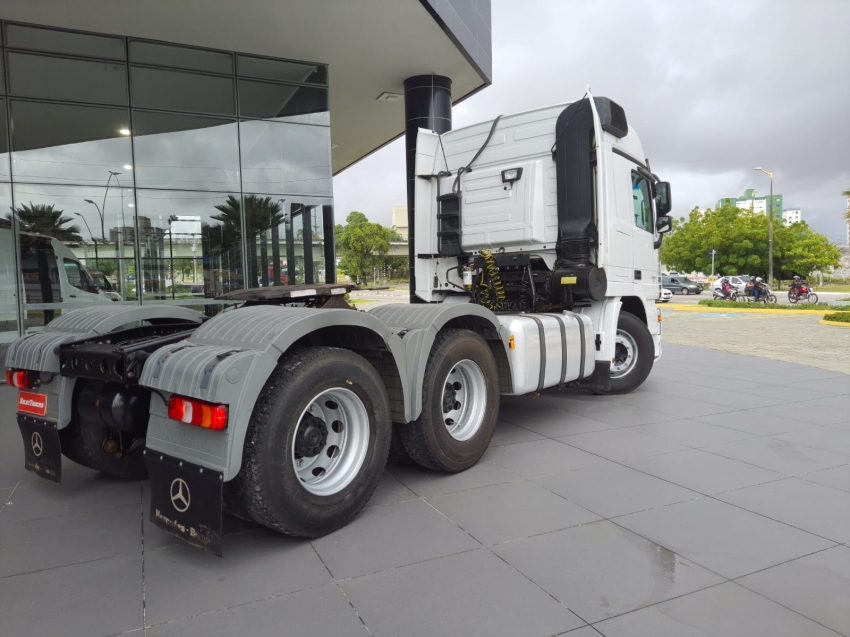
(33,75)
(190,246)
(283,103)
(5,171)
(282,71)
(8,270)
(181,57)
(185,151)
(21,36)
(285,158)
(318,235)
(62,143)
(182,91)
(76,247)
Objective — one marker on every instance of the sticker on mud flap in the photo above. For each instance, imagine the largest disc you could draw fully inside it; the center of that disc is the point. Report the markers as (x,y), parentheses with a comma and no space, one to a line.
(32,403)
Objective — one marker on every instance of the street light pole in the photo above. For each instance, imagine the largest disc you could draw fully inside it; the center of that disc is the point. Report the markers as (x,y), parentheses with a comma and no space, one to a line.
(770,227)
(96,259)
(99,214)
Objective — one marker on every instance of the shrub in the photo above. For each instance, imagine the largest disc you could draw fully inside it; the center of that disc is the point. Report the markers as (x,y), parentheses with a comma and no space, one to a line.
(838,317)
(765,306)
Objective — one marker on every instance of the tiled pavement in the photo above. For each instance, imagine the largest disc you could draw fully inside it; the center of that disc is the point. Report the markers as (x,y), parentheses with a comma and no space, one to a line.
(715,500)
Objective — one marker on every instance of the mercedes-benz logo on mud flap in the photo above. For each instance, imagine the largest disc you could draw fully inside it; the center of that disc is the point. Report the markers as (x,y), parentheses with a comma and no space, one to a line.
(37,444)
(180,495)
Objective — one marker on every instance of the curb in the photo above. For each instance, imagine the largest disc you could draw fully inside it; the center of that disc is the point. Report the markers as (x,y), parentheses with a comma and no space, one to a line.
(834,323)
(726,310)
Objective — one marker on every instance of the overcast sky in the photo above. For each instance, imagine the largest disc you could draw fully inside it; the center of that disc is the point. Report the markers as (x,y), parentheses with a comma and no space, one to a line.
(713,89)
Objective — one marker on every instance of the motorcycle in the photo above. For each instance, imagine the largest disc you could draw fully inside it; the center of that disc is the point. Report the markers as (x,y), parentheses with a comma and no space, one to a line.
(766,295)
(803,292)
(719,295)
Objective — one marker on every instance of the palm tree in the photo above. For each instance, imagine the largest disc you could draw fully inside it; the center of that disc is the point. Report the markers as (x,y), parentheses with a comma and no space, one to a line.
(46,219)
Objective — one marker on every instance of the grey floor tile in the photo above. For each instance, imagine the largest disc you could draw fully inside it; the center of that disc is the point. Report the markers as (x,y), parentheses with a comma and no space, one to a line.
(38,544)
(756,422)
(693,433)
(785,394)
(812,507)
(426,483)
(841,401)
(687,406)
(391,536)
(585,631)
(510,511)
(837,477)
(728,610)
(601,570)
(317,612)
(778,455)
(704,472)
(837,386)
(96,598)
(809,412)
(471,594)
(622,444)
(508,434)
(182,581)
(722,537)
(78,493)
(623,415)
(543,457)
(817,586)
(828,438)
(613,490)
(390,491)
(553,422)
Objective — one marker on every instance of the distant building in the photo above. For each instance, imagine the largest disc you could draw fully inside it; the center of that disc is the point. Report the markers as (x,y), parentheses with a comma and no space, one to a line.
(791,215)
(758,204)
(400,220)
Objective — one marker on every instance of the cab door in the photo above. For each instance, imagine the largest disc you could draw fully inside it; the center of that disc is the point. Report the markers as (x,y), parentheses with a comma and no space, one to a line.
(79,284)
(644,254)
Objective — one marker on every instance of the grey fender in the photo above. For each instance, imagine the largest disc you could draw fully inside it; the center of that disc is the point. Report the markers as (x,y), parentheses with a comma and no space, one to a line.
(228,360)
(40,351)
(419,325)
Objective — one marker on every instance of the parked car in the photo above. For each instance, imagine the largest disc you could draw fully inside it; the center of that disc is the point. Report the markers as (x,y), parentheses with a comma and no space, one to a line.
(664,296)
(680,285)
(738,282)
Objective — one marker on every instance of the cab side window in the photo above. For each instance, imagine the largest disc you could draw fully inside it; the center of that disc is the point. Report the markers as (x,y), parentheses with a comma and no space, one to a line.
(642,201)
(77,277)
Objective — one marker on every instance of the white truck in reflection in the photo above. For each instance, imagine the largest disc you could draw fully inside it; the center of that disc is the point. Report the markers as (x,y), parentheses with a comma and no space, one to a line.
(50,274)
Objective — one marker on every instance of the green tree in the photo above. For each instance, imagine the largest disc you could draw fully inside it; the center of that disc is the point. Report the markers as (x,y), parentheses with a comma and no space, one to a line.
(740,239)
(46,219)
(361,244)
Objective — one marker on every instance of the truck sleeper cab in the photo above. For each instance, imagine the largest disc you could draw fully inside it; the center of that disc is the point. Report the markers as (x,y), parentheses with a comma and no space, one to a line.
(285,409)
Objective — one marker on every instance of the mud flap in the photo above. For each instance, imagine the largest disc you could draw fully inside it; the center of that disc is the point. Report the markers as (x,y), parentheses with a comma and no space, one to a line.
(186,500)
(599,381)
(42,450)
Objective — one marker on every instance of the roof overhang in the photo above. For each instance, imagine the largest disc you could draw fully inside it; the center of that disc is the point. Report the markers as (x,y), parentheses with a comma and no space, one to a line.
(370,46)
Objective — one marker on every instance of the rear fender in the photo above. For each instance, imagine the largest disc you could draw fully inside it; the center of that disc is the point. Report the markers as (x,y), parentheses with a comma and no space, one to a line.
(40,351)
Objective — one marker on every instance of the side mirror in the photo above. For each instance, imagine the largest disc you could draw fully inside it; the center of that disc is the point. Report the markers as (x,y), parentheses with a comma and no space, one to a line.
(663,200)
(663,224)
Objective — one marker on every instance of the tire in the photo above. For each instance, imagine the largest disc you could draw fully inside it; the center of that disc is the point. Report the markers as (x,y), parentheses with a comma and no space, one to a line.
(84,445)
(685,291)
(770,298)
(792,298)
(454,440)
(630,327)
(290,481)
(813,298)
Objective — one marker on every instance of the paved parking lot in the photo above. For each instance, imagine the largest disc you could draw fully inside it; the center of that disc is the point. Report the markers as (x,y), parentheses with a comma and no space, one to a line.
(713,501)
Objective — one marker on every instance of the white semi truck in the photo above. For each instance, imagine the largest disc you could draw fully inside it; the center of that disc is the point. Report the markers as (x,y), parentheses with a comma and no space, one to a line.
(536,266)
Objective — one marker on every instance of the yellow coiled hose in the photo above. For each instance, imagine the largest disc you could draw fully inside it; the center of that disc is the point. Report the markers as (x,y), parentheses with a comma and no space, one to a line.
(493,281)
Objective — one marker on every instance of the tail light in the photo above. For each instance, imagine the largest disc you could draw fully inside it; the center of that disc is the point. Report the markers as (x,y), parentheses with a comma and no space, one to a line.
(198,413)
(18,378)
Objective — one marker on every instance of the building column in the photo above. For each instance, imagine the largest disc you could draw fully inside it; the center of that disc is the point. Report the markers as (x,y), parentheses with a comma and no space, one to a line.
(427,104)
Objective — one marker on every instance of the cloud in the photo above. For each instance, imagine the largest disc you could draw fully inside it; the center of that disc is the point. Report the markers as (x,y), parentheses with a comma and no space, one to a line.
(714,89)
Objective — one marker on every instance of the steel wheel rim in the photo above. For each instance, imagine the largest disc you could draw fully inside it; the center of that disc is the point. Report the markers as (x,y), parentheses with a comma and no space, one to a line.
(464,400)
(625,354)
(338,461)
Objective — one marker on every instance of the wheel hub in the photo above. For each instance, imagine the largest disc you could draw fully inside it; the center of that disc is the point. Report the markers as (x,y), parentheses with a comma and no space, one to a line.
(312,437)
(450,397)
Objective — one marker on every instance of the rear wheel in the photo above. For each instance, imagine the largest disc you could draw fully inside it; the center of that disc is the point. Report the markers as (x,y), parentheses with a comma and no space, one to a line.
(317,443)
(634,354)
(792,297)
(460,404)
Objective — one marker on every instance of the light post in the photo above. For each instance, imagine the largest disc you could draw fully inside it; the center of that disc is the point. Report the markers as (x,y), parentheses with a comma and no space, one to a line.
(99,214)
(770,226)
(96,259)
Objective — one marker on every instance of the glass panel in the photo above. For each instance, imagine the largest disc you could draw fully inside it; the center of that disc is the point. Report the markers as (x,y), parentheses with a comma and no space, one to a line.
(182,91)
(62,143)
(65,79)
(186,151)
(181,57)
(265,229)
(642,202)
(8,272)
(266,69)
(284,103)
(5,170)
(191,247)
(19,36)
(2,76)
(70,236)
(316,225)
(285,158)
(296,267)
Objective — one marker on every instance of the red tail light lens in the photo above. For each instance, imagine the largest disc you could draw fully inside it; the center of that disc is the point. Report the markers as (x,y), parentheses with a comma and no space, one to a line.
(18,378)
(198,413)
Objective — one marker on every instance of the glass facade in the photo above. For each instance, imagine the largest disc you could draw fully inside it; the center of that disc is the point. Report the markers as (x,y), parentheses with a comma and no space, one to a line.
(134,171)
